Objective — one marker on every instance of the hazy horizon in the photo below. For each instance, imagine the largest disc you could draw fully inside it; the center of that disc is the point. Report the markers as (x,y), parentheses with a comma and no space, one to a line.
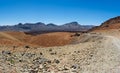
(85,12)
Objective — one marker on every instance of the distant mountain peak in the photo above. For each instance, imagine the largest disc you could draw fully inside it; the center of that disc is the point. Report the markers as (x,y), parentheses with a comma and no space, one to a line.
(71,24)
(20,24)
(39,23)
(51,24)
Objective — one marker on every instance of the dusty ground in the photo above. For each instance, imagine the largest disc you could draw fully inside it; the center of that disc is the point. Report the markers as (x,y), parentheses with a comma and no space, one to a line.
(94,52)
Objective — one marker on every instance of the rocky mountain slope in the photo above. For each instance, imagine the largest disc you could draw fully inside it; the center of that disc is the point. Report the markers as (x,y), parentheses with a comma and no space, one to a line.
(112,23)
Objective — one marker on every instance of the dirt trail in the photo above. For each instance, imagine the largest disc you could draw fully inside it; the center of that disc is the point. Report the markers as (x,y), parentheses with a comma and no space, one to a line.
(109,52)
(114,40)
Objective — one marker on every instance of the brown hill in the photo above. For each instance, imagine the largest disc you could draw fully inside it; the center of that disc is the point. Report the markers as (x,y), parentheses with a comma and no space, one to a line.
(12,38)
(48,39)
(52,39)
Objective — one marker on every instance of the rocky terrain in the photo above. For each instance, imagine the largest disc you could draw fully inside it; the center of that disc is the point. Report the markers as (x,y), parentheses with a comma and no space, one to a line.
(96,51)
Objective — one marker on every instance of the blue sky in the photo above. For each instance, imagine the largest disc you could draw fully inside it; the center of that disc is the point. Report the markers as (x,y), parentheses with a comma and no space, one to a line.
(86,12)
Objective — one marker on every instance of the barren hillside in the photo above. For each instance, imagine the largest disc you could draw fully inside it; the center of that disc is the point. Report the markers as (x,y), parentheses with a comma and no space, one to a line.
(113,23)
(45,40)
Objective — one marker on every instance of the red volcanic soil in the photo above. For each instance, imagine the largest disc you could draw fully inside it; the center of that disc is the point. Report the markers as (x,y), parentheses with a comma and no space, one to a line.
(52,39)
(45,40)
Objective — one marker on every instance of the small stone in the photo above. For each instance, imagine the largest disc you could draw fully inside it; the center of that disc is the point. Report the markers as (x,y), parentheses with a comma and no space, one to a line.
(52,53)
(41,66)
(33,71)
(49,61)
(41,53)
(56,61)
(65,68)
(6,52)
(74,66)
(50,49)
(20,60)
(27,46)
(91,55)
(78,51)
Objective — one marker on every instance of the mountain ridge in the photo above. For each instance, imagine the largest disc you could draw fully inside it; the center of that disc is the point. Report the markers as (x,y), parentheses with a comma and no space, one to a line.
(39,26)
